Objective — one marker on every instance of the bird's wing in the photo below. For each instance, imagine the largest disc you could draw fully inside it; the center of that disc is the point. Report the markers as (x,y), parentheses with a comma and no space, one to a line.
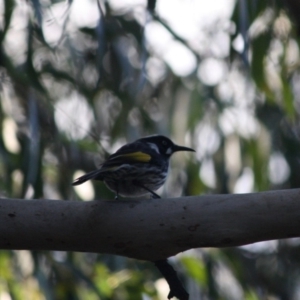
(127,154)
(118,159)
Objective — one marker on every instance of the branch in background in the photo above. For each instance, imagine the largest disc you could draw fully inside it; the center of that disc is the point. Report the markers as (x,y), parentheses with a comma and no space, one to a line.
(151,6)
(177,36)
(293,7)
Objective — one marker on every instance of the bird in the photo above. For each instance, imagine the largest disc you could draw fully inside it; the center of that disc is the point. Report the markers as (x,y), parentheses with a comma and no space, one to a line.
(137,169)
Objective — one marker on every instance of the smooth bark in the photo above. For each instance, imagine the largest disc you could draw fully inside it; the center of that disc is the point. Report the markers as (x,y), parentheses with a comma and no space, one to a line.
(149,229)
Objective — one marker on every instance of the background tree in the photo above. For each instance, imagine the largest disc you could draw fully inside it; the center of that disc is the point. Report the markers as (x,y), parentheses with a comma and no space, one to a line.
(77,82)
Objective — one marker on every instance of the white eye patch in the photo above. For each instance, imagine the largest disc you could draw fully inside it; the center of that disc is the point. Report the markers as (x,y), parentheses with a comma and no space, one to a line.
(169,151)
(154,147)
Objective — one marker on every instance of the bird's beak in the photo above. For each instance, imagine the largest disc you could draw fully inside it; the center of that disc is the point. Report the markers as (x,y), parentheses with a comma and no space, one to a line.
(182,148)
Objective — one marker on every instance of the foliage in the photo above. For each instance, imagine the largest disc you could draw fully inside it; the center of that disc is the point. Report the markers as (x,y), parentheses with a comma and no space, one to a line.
(72,92)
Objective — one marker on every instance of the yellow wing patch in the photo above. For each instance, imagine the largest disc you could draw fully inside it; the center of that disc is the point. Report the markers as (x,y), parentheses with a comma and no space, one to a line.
(137,156)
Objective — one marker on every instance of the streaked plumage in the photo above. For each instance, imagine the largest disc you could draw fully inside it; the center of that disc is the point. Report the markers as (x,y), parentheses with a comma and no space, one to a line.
(137,168)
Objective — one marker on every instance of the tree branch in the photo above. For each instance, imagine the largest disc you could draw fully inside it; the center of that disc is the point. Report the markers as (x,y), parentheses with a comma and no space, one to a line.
(149,229)
(176,288)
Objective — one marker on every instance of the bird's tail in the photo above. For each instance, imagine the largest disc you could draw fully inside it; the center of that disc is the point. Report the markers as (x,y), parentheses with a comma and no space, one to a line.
(92,175)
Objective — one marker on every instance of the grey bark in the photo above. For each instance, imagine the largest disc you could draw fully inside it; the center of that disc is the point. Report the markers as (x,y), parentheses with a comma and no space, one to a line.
(149,229)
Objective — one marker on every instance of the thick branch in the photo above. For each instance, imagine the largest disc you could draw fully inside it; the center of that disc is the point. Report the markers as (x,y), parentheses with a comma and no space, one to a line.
(149,229)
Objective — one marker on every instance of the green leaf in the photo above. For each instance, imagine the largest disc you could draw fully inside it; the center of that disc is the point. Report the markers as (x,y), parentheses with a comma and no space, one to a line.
(251,295)
(195,268)
(260,46)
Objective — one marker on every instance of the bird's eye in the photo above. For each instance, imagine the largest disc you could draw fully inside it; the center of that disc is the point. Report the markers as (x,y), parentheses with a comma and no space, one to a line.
(164,143)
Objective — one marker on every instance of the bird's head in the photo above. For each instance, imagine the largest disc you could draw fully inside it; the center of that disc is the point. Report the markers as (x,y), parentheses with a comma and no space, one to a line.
(163,145)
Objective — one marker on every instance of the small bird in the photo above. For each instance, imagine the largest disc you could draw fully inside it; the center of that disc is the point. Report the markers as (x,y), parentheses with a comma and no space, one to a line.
(137,168)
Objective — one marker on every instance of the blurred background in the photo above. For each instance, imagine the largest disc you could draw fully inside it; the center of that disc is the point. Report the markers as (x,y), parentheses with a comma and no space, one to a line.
(80,78)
